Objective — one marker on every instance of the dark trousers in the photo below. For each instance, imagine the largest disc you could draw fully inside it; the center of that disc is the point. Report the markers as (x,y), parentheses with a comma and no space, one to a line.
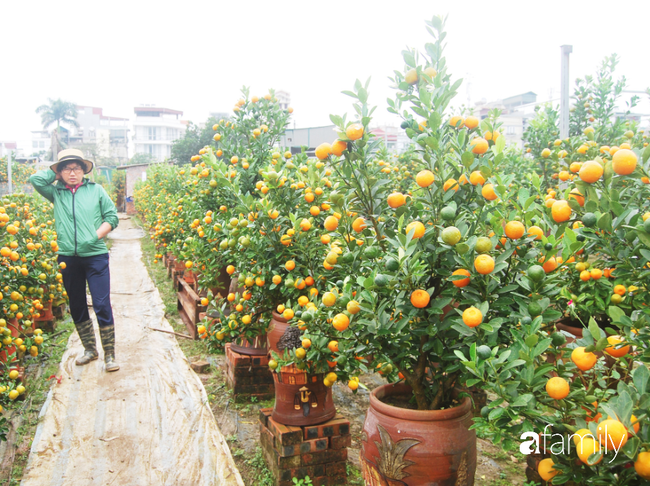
(93,270)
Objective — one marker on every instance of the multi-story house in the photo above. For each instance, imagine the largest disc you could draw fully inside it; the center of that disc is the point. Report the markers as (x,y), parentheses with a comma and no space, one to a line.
(104,136)
(154,130)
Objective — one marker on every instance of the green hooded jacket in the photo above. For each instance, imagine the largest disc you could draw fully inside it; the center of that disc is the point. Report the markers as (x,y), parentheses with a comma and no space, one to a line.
(77,216)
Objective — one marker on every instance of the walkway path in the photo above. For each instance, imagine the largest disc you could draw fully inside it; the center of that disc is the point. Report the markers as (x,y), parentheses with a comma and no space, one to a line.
(147,424)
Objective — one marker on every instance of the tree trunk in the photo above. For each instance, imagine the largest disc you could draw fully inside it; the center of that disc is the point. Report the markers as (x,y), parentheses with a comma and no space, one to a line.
(55,145)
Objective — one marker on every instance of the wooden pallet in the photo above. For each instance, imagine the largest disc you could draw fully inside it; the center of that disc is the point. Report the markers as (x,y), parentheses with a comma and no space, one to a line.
(188,303)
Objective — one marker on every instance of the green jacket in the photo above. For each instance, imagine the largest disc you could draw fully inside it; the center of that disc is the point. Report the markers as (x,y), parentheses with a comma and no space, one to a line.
(77,216)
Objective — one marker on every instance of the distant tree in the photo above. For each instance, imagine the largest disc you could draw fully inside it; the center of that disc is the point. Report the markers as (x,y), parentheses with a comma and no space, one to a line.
(194,139)
(57,111)
(141,158)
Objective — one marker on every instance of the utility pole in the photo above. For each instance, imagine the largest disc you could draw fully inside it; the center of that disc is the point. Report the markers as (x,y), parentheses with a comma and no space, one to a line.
(9,172)
(564,91)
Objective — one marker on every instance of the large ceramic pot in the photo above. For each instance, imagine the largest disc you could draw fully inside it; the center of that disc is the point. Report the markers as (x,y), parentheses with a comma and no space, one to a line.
(255,348)
(569,326)
(14,327)
(301,399)
(46,313)
(276,329)
(414,447)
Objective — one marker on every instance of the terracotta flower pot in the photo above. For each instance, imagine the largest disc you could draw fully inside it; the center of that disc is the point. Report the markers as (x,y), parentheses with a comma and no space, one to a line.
(45,313)
(301,399)
(7,351)
(575,331)
(276,329)
(256,348)
(414,447)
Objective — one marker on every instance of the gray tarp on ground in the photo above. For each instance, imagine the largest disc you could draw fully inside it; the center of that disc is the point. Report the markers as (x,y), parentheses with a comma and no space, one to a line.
(147,424)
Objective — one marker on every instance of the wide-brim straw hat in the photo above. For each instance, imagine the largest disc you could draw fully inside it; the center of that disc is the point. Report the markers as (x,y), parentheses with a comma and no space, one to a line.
(73,155)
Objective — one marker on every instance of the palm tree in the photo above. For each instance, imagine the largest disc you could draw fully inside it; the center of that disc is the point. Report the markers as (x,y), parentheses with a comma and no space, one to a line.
(57,111)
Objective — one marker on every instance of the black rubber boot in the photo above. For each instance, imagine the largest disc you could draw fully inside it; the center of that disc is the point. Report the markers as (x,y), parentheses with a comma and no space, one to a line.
(87,336)
(107,334)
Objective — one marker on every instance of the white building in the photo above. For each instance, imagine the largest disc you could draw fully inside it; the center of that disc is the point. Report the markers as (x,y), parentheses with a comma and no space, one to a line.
(109,134)
(515,113)
(41,142)
(395,139)
(154,130)
(284,99)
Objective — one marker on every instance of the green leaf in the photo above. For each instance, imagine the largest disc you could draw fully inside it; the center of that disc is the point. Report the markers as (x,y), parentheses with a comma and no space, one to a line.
(631,447)
(616,313)
(617,208)
(529,201)
(337,120)
(522,400)
(594,329)
(605,221)
(500,145)
(640,378)
(409,59)
(625,406)
(602,344)
(574,205)
(542,346)
(496,413)
(644,237)
(570,234)
(467,159)
(513,364)
(434,120)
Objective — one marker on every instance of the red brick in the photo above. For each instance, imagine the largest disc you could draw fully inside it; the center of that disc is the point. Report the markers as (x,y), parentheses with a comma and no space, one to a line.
(340,441)
(265,413)
(200,366)
(240,360)
(305,447)
(324,457)
(337,426)
(329,480)
(336,468)
(286,435)
(266,440)
(252,377)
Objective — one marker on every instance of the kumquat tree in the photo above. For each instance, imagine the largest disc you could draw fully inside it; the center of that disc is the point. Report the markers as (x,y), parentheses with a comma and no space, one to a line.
(458,267)
(30,282)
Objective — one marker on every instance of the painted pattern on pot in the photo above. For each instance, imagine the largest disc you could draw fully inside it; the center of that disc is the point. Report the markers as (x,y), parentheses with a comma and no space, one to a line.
(301,399)
(417,448)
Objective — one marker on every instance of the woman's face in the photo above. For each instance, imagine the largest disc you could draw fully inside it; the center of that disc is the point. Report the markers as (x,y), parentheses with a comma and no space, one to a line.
(72,174)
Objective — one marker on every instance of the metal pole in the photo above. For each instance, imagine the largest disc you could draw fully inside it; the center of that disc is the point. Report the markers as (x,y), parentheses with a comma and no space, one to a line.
(564,91)
(9,172)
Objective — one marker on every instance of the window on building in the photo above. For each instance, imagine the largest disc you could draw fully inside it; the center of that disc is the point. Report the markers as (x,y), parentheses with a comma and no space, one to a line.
(511,130)
(41,144)
(34,144)
(152,133)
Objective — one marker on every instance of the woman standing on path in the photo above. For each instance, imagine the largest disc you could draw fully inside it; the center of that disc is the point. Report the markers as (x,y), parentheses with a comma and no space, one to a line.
(84,214)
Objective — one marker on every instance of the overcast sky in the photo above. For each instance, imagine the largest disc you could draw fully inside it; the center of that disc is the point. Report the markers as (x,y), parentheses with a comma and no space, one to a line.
(195,56)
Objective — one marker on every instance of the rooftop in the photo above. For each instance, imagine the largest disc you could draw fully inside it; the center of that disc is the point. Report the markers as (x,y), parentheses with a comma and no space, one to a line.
(155,109)
(99,111)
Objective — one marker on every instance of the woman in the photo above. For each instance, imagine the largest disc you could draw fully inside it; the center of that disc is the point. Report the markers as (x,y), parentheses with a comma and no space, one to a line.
(84,214)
